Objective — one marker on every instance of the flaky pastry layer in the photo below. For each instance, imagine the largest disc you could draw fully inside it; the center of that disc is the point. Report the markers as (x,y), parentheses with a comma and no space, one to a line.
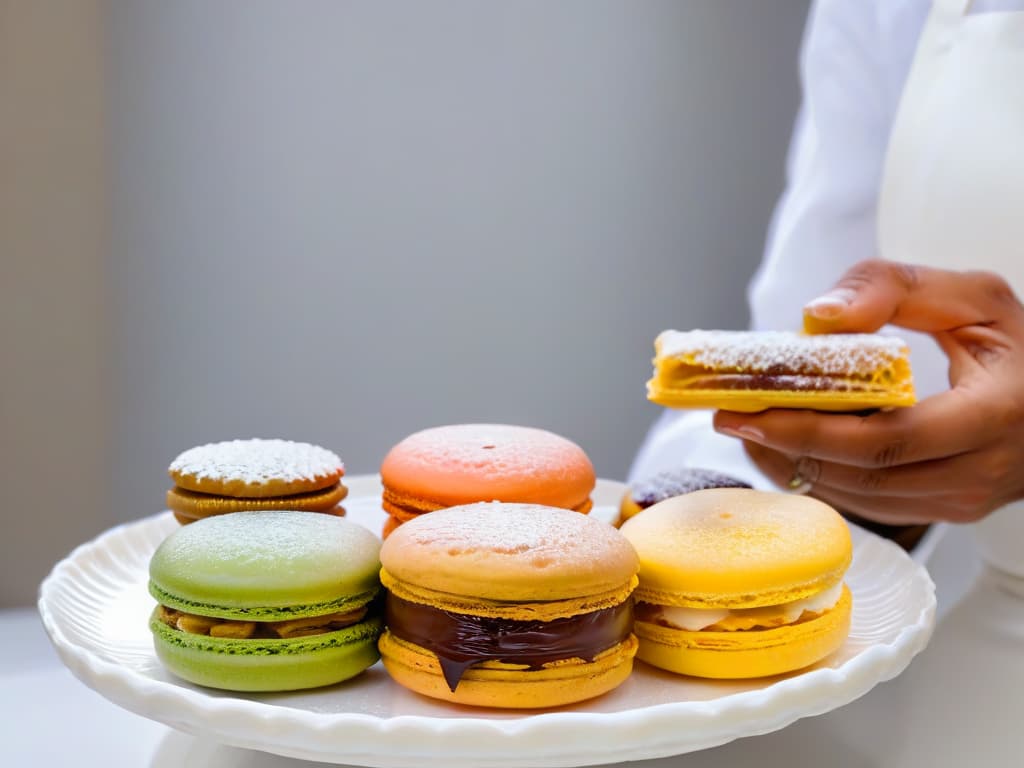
(752,371)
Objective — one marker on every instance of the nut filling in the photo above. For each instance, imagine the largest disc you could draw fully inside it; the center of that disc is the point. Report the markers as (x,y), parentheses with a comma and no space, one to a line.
(246,630)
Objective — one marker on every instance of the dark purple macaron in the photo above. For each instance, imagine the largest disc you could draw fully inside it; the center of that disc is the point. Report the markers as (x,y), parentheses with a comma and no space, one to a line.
(671,483)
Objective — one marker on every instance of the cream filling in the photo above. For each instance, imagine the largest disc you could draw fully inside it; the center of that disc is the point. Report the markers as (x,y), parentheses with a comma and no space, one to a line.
(696,619)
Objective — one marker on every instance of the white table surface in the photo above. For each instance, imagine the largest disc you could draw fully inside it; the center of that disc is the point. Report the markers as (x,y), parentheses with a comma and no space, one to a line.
(949,708)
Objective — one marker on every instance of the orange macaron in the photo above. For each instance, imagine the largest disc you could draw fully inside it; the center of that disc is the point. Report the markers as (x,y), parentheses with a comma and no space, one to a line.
(466,463)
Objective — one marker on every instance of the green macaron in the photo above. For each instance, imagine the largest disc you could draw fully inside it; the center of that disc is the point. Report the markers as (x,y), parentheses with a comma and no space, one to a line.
(266,601)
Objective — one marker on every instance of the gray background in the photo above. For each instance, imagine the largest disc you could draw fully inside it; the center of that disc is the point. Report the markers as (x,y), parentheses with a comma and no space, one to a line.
(341,222)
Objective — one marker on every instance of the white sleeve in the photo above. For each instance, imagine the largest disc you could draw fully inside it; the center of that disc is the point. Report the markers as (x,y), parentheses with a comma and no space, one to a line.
(825,220)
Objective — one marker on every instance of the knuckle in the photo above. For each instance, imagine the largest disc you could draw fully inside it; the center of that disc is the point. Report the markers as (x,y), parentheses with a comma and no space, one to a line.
(862,274)
(997,467)
(985,354)
(969,504)
(889,453)
(874,274)
(948,508)
(881,445)
(1002,414)
(995,288)
(873,271)
(871,481)
(1013,411)
(971,513)
(969,499)
(906,275)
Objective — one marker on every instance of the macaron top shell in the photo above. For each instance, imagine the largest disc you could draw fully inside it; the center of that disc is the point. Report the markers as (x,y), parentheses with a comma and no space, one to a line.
(466,463)
(266,565)
(510,552)
(256,468)
(738,548)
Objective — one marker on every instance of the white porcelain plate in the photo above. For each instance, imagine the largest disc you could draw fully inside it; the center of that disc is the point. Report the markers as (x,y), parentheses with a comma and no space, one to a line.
(95,608)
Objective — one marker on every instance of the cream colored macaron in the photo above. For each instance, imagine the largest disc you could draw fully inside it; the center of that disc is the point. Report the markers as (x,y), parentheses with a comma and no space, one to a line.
(739,583)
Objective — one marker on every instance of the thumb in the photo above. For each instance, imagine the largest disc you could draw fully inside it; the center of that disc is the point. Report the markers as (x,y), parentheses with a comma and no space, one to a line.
(874,293)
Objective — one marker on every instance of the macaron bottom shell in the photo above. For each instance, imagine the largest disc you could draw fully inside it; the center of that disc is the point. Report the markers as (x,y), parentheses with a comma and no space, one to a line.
(403,508)
(267,664)
(756,400)
(746,653)
(500,685)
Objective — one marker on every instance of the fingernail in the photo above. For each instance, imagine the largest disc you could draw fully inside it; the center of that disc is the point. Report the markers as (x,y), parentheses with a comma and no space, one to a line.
(830,305)
(744,432)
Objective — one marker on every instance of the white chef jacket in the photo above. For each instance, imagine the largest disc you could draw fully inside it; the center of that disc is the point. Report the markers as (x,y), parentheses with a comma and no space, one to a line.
(855,59)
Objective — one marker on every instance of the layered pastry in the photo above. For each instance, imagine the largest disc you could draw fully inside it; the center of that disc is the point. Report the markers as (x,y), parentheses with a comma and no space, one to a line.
(266,601)
(738,583)
(466,463)
(508,605)
(670,483)
(755,370)
(247,475)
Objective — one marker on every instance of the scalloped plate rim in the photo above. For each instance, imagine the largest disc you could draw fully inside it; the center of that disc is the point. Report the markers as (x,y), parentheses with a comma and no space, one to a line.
(665,727)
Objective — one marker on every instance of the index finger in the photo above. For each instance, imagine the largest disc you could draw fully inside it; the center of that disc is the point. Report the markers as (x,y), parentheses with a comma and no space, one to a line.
(944,425)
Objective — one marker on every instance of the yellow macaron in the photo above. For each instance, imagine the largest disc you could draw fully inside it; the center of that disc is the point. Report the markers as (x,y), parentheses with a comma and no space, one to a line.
(738,583)
(508,605)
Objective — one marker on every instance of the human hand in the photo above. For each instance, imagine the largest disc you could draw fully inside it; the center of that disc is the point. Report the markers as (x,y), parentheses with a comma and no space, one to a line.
(955,456)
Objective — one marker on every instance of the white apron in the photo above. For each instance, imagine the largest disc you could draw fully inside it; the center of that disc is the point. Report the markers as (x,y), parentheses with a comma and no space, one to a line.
(953,189)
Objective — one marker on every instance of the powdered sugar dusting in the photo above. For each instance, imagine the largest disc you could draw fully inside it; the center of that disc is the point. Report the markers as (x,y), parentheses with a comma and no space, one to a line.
(501,449)
(543,535)
(269,559)
(782,351)
(258,461)
(270,540)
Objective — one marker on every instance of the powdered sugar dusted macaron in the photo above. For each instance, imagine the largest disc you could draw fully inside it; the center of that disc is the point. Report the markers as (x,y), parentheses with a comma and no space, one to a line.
(246,475)
(508,605)
(465,463)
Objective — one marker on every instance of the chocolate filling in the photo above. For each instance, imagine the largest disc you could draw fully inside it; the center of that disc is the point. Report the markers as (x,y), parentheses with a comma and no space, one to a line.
(774,382)
(459,640)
